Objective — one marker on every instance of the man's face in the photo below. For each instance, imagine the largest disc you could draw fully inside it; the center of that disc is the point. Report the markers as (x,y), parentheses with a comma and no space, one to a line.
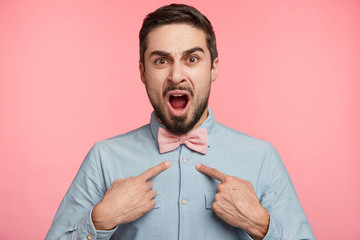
(178,75)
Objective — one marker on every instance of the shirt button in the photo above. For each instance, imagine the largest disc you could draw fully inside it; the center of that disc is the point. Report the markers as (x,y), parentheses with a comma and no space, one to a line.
(184,160)
(90,237)
(183,201)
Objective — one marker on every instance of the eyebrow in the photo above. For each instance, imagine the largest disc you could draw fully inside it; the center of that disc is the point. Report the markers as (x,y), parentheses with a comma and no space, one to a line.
(159,53)
(192,50)
(166,54)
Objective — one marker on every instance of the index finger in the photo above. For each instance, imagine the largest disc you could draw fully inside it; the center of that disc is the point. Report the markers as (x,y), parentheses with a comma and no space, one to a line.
(153,171)
(212,172)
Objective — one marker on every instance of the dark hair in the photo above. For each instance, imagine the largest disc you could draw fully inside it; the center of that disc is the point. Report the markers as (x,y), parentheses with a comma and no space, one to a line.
(177,13)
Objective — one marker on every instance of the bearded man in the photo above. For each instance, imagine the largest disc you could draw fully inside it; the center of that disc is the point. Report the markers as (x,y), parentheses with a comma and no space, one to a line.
(183,176)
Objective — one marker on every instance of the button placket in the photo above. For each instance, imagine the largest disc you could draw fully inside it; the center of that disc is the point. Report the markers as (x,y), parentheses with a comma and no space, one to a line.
(185,182)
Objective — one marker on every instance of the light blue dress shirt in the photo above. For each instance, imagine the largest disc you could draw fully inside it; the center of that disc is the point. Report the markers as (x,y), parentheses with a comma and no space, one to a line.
(184,201)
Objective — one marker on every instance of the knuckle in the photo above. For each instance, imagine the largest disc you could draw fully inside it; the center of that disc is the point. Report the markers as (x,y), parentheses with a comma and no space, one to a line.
(212,171)
(158,170)
(152,194)
(130,179)
(228,179)
(249,184)
(136,180)
(215,206)
(150,205)
(151,171)
(118,181)
(144,188)
(217,197)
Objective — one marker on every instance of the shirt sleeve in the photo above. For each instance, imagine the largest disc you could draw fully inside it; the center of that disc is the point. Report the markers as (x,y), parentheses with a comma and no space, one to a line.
(73,218)
(287,218)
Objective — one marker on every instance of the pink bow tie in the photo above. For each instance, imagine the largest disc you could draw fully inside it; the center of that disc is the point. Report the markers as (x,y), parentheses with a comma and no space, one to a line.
(196,140)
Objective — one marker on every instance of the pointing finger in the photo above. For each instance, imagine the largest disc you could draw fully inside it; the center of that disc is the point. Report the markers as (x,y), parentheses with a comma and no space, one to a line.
(212,172)
(152,172)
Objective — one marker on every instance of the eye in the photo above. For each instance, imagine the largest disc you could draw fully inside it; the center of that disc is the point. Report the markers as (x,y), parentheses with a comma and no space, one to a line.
(192,59)
(161,61)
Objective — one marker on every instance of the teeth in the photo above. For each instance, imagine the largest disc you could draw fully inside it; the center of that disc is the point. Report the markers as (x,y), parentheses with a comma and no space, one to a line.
(177,95)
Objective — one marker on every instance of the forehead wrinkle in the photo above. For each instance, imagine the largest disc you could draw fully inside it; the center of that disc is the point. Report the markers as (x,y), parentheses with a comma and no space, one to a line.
(175,40)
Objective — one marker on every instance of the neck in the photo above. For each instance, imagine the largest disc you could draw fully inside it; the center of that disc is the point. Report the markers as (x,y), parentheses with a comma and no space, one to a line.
(202,119)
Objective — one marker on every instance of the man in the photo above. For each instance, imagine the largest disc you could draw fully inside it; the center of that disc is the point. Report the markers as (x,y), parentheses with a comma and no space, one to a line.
(183,176)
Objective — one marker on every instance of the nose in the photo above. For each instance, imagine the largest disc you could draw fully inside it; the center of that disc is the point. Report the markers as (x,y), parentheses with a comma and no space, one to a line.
(177,74)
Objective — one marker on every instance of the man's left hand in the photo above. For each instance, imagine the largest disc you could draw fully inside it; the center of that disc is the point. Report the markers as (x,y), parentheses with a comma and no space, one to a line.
(237,204)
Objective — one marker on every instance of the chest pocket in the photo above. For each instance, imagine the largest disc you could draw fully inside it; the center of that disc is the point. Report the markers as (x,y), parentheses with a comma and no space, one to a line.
(146,227)
(216,228)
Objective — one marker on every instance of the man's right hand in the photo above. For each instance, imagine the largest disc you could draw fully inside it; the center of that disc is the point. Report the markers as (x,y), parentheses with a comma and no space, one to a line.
(127,199)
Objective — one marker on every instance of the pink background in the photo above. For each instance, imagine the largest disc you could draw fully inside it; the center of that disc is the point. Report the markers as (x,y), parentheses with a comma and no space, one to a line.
(289,74)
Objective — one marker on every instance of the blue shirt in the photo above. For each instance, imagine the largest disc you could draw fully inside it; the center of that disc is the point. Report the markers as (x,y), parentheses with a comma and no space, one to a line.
(183,207)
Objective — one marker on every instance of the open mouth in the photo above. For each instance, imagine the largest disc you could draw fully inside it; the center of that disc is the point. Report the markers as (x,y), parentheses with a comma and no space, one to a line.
(178,102)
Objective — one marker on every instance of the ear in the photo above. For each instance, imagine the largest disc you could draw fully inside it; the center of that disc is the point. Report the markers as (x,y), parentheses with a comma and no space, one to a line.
(214,69)
(142,71)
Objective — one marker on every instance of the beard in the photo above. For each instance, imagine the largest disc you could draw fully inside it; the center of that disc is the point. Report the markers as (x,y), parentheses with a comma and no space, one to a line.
(181,125)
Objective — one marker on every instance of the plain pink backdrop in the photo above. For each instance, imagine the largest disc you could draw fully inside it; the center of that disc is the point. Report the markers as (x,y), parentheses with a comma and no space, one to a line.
(289,74)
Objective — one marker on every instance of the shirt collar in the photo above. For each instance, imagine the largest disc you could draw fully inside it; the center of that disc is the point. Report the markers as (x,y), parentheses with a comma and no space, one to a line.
(209,124)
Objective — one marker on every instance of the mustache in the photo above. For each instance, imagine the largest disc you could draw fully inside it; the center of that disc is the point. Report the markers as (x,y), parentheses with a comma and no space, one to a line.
(172,88)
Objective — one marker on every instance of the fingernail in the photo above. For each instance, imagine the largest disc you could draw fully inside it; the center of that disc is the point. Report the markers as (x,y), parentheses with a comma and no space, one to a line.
(167,163)
(198,166)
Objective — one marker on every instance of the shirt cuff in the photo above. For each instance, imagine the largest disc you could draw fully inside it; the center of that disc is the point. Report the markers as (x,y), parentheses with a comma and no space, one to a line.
(275,230)
(85,229)
(100,234)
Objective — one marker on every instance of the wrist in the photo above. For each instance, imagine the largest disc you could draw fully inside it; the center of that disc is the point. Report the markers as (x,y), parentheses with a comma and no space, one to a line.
(100,220)
(260,226)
